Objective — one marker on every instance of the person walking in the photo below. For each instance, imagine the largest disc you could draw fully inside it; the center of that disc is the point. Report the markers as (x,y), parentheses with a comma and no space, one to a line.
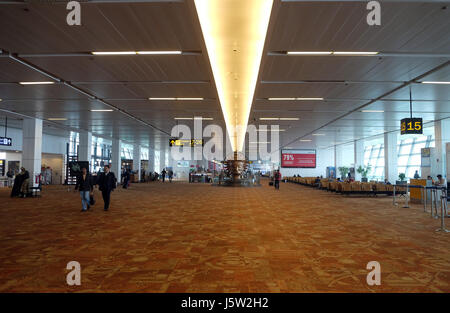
(126,179)
(277,178)
(163,174)
(416,175)
(85,186)
(10,175)
(170,175)
(107,183)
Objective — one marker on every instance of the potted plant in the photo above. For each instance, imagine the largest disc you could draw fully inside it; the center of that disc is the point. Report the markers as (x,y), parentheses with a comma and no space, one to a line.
(344,171)
(364,171)
(402,180)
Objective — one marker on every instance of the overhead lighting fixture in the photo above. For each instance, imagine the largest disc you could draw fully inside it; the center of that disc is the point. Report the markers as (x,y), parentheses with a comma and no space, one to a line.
(293,99)
(318,134)
(159,52)
(309,52)
(289,118)
(113,53)
(57,119)
(37,83)
(354,53)
(372,111)
(305,140)
(103,110)
(438,83)
(269,118)
(176,99)
(196,118)
(235,44)
(269,130)
(319,53)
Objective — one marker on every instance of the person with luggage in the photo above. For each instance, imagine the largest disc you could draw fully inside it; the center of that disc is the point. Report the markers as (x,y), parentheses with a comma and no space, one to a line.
(85,186)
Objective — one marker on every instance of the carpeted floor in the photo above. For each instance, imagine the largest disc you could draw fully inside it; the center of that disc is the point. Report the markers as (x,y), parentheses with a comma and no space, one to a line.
(183,237)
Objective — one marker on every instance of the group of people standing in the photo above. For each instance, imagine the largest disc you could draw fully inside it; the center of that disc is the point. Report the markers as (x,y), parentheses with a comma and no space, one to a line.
(106,182)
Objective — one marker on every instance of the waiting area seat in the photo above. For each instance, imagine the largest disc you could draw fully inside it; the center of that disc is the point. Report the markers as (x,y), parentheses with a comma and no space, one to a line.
(348,188)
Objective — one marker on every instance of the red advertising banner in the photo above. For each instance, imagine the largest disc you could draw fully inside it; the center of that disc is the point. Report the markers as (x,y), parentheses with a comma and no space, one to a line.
(298,158)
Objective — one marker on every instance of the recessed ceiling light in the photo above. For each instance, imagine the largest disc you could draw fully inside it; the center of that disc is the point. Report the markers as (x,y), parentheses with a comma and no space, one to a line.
(318,134)
(37,83)
(293,99)
(289,118)
(354,53)
(103,110)
(113,52)
(192,118)
(431,82)
(309,52)
(159,52)
(305,140)
(309,99)
(281,99)
(57,119)
(176,99)
(269,130)
(269,118)
(372,111)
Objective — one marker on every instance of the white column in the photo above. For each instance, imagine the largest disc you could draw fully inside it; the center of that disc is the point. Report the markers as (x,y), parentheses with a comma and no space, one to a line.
(116,161)
(32,148)
(339,161)
(85,146)
(137,161)
(442,136)
(359,157)
(390,157)
(151,160)
(162,159)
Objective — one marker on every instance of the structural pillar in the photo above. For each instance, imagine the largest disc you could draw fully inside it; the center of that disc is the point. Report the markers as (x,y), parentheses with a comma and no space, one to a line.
(359,157)
(137,161)
(151,160)
(162,159)
(116,161)
(442,137)
(390,157)
(85,147)
(32,148)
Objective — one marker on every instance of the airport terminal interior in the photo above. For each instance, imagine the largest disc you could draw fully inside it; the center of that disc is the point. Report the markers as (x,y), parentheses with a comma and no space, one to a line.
(225,146)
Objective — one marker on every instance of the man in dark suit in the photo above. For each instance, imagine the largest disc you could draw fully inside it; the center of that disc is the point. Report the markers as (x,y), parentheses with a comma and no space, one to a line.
(107,183)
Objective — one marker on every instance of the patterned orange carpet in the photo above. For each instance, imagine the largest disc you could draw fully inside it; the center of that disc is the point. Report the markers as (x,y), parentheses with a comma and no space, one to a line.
(183,237)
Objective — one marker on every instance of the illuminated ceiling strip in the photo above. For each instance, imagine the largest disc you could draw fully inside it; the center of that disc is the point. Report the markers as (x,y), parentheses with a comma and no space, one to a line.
(176,99)
(293,99)
(136,52)
(37,83)
(437,83)
(235,44)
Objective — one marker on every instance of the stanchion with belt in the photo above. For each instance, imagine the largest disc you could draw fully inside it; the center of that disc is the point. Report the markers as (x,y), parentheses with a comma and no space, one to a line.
(444,210)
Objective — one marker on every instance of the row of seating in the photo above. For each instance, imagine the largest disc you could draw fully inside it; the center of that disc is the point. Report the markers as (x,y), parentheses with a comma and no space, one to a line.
(356,187)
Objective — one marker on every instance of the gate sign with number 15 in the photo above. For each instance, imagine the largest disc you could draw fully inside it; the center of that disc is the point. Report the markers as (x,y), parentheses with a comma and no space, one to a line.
(411,126)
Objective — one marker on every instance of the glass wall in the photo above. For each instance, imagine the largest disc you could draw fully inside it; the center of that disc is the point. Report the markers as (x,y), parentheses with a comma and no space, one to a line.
(409,149)
(408,152)
(101,153)
(374,155)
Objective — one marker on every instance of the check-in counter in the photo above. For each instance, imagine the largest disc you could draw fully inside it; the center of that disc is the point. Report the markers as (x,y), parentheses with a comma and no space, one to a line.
(416,193)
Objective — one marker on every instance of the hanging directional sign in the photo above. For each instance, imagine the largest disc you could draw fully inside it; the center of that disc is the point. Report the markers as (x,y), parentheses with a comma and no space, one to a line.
(185,142)
(411,126)
(5,141)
